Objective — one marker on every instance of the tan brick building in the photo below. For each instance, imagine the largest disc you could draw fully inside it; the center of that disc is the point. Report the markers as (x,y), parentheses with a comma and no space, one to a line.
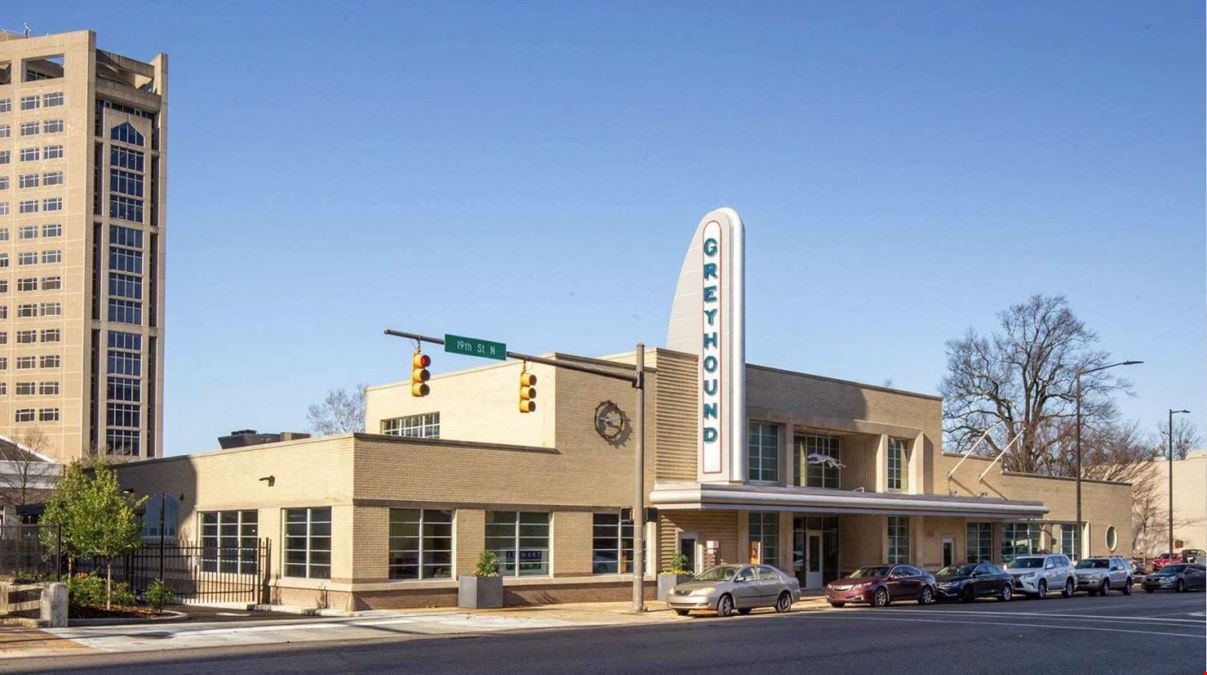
(391,517)
(83,157)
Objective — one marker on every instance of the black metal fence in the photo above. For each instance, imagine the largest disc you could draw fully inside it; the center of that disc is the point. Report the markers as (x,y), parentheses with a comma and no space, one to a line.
(193,572)
(30,552)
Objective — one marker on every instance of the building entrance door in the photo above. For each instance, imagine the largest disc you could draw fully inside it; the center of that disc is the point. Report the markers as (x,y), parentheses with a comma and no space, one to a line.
(949,551)
(813,557)
(687,546)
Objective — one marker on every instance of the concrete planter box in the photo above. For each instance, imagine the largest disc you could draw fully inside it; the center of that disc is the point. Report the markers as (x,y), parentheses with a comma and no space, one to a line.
(668,581)
(480,592)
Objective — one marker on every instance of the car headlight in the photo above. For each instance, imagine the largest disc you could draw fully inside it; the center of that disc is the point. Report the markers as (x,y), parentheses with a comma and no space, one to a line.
(1029,575)
(703,591)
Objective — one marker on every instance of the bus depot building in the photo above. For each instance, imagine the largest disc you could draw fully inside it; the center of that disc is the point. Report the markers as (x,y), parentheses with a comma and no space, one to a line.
(814,475)
(390,519)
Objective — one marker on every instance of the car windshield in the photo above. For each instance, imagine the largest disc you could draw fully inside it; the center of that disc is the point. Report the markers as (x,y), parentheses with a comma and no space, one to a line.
(720,573)
(1170,570)
(1093,564)
(956,571)
(1025,563)
(864,572)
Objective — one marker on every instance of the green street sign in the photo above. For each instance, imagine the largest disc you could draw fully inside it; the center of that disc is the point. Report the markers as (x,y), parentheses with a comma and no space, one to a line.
(486,349)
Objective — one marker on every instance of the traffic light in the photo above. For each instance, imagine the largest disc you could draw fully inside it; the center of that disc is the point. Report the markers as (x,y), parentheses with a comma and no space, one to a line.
(420,374)
(527,391)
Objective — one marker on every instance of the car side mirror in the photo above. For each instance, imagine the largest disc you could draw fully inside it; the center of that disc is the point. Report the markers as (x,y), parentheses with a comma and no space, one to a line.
(1049,567)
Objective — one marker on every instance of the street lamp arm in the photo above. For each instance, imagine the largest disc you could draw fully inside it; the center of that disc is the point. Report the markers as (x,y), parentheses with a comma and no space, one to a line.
(1113,365)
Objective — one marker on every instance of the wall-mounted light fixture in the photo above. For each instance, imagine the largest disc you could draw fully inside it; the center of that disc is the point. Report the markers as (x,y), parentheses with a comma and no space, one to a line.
(271,480)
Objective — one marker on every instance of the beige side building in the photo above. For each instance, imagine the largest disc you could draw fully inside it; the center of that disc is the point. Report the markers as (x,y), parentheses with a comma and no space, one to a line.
(1151,505)
(83,169)
(391,517)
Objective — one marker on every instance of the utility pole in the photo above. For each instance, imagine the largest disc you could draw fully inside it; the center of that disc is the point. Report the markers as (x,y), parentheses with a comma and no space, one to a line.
(639,489)
(1081,549)
(635,377)
(1171,414)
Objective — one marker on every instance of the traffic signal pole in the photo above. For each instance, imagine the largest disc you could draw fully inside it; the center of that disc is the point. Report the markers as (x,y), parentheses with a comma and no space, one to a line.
(636,378)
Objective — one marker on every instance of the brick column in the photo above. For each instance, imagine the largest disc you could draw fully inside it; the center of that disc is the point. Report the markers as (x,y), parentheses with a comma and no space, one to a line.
(469,534)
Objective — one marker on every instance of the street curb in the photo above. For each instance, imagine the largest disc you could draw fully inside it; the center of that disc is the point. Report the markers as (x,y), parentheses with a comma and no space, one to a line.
(120,621)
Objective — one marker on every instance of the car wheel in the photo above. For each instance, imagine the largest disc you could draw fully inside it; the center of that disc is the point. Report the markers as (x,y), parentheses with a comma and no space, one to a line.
(1105,589)
(1181,587)
(881,598)
(681,612)
(1149,590)
(1127,588)
(1042,588)
(927,597)
(744,611)
(838,605)
(1069,588)
(783,603)
(967,595)
(725,605)
(1007,593)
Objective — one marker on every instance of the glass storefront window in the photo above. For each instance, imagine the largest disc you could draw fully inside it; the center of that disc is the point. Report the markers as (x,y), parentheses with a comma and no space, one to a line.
(421,544)
(764,450)
(1019,539)
(817,474)
(765,529)
(980,542)
(521,540)
(898,539)
(898,461)
(611,544)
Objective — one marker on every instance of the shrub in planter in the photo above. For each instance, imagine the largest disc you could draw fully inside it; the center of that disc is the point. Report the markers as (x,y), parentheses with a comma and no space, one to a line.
(122,595)
(86,590)
(483,590)
(158,595)
(673,574)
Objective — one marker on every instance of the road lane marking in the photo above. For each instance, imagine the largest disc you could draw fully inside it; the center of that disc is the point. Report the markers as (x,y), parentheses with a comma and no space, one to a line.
(883,616)
(1087,617)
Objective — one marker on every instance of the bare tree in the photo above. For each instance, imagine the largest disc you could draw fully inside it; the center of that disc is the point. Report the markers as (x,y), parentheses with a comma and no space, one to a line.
(26,475)
(1019,383)
(340,412)
(1185,437)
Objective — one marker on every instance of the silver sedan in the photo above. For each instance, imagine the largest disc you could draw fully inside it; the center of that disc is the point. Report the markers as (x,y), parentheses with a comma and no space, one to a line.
(726,588)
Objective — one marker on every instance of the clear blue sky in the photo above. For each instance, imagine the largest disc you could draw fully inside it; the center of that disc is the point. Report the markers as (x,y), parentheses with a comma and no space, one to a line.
(533,173)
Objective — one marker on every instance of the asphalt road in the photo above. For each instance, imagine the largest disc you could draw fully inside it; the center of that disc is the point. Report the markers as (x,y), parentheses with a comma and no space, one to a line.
(1117,634)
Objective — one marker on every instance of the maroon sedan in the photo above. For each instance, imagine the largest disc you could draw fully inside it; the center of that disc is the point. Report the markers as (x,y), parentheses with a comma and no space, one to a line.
(880,585)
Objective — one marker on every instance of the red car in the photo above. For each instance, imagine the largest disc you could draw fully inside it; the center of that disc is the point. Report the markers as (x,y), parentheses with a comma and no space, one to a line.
(1164,559)
(880,585)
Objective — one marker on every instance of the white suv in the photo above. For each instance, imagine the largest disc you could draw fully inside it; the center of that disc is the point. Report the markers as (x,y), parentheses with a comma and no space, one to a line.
(1036,575)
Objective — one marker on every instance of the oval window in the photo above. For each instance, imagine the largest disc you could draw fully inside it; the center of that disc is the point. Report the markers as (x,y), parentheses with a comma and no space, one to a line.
(1112,538)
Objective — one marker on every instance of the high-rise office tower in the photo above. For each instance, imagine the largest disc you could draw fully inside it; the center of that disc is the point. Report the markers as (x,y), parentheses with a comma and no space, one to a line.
(83,157)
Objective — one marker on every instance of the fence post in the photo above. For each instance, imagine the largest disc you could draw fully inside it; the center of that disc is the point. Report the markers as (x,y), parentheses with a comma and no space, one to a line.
(162,507)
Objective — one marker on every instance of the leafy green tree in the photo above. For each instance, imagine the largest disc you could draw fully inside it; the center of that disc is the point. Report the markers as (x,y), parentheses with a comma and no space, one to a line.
(97,518)
(58,511)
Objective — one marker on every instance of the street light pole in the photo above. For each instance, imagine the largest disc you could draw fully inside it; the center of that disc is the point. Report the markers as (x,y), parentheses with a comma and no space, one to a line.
(1171,414)
(639,489)
(1077,397)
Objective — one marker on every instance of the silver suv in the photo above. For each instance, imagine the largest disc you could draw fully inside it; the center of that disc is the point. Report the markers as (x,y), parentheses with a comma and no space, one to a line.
(1101,574)
(1036,575)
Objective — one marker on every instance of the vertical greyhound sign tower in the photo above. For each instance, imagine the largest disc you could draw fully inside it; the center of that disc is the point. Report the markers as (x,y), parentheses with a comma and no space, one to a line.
(708,318)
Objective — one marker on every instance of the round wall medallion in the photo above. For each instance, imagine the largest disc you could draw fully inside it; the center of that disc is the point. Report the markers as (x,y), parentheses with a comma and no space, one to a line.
(611,423)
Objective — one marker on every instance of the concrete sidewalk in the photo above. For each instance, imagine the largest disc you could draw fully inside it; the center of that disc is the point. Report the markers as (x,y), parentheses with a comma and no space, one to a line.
(251,629)
(609,613)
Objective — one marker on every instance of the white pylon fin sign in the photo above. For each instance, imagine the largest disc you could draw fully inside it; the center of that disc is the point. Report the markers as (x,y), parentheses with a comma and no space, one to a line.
(708,319)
